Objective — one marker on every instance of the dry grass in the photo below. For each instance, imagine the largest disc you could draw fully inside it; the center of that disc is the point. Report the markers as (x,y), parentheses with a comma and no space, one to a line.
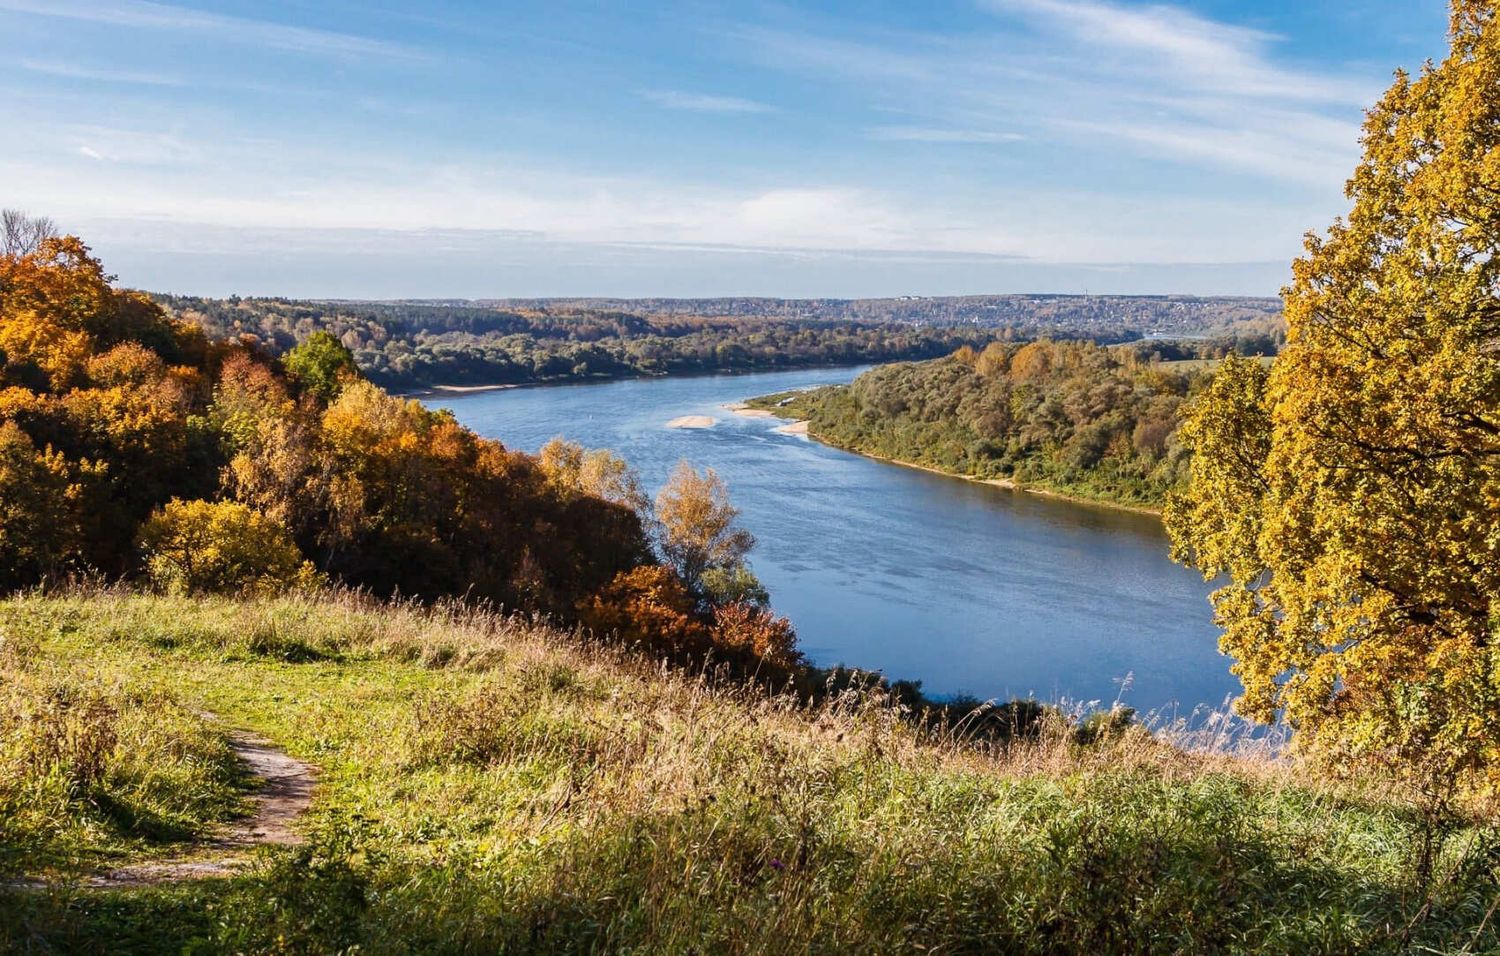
(493,784)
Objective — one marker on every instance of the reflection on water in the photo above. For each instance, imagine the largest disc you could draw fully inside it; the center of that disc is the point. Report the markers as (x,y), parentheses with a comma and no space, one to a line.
(966,587)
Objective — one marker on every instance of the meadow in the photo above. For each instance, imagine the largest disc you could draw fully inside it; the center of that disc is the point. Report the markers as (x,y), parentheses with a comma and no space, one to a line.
(494,784)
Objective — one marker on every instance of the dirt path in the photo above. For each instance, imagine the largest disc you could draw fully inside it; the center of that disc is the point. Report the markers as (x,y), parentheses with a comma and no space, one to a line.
(283,794)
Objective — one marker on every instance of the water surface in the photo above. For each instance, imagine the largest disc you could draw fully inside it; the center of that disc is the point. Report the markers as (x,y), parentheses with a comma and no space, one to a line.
(967,587)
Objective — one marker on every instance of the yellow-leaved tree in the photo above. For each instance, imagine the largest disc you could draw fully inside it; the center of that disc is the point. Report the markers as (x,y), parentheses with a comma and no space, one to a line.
(1351,494)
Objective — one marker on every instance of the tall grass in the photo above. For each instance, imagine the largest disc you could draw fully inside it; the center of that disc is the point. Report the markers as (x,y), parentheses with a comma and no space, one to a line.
(96,766)
(491,784)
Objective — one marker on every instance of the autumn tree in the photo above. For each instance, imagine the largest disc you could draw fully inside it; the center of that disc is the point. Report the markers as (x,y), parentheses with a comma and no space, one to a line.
(41,504)
(599,472)
(649,606)
(750,628)
(221,547)
(1352,494)
(699,537)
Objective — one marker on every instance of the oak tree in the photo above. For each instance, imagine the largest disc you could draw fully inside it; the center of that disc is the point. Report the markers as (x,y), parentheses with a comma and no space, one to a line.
(1352,494)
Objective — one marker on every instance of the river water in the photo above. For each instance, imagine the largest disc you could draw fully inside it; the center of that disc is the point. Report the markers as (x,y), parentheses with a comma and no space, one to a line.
(969,588)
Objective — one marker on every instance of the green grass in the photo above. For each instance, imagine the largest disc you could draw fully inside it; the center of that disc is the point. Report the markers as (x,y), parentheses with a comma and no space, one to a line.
(491,785)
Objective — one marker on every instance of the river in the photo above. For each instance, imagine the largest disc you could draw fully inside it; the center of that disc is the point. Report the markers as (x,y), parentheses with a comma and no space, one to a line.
(969,588)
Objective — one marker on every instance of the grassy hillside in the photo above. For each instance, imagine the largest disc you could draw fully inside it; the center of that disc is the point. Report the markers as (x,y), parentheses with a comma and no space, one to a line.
(489,784)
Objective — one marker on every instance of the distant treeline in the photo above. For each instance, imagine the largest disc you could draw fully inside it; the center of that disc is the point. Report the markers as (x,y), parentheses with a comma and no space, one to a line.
(1072,417)
(1093,316)
(405,345)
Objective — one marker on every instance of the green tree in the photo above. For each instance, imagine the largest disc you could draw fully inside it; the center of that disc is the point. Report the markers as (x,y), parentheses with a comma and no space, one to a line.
(321,365)
(1352,496)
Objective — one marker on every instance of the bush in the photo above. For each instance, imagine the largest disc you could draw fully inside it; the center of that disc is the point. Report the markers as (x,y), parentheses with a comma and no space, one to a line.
(647,605)
(220,547)
(743,627)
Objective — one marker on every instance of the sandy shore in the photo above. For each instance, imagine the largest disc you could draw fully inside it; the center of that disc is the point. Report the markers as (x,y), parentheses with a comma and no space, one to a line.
(740,408)
(692,421)
(791,428)
(434,390)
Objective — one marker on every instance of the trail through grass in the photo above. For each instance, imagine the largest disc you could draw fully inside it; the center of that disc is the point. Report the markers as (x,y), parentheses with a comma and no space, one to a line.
(488,784)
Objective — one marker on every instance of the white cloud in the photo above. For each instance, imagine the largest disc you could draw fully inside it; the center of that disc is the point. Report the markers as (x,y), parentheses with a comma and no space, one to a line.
(1213,55)
(927,134)
(147,148)
(142,14)
(72,71)
(704,103)
(1089,78)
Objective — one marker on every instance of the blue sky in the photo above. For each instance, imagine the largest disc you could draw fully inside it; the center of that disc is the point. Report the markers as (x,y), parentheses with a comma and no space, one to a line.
(688,148)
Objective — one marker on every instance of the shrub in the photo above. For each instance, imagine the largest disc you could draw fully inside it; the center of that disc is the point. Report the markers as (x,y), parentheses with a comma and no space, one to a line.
(648,605)
(220,547)
(742,626)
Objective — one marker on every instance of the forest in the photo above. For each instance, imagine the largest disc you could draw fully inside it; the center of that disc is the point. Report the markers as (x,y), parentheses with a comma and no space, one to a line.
(1069,417)
(139,447)
(1096,316)
(414,345)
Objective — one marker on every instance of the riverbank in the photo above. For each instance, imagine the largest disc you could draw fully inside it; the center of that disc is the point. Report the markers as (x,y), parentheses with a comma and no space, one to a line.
(451,391)
(495,785)
(801,426)
(456,391)
(1154,511)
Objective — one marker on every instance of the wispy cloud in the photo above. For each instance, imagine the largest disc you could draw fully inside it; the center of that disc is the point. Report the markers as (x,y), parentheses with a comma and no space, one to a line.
(927,134)
(704,103)
(142,14)
(1173,41)
(144,148)
(1092,77)
(73,71)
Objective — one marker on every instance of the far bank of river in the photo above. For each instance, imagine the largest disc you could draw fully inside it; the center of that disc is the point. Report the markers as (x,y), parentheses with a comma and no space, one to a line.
(762,405)
(966,586)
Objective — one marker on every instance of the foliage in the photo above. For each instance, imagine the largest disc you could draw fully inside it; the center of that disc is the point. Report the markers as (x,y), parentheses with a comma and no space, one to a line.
(490,785)
(597,472)
(648,606)
(410,345)
(321,364)
(1066,416)
(735,584)
(1352,495)
(698,536)
(220,547)
(747,627)
(110,409)
(40,517)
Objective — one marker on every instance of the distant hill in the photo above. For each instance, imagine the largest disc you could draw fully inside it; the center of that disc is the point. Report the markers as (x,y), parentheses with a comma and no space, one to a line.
(1074,313)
